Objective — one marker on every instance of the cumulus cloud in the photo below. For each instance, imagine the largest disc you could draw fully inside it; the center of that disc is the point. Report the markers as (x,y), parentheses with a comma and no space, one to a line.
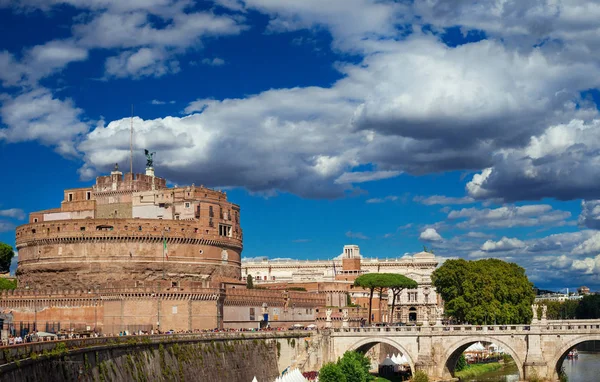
(144,62)
(510,216)
(38,115)
(15,213)
(430,234)
(502,245)
(562,163)
(590,214)
(589,246)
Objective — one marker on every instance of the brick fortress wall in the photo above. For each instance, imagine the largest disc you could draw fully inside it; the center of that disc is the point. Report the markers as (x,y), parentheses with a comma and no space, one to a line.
(115,231)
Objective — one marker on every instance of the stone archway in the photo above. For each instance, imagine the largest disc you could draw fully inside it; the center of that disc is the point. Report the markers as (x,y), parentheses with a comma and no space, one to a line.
(451,356)
(559,356)
(374,341)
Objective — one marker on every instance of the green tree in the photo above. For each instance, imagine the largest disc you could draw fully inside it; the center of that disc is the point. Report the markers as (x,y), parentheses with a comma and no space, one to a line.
(7,284)
(461,364)
(420,377)
(249,282)
(6,256)
(589,306)
(372,282)
(355,367)
(330,372)
(485,291)
(558,310)
(397,284)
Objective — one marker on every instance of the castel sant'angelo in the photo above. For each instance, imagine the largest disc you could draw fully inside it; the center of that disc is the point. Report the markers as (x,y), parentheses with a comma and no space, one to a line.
(130,254)
(125,227)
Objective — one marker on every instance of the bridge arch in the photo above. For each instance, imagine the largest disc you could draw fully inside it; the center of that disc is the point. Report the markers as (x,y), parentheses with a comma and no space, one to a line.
(454,351)
(560,355)
(362,344)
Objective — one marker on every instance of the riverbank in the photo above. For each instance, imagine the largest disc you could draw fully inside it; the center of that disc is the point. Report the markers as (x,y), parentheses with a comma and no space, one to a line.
(478,369)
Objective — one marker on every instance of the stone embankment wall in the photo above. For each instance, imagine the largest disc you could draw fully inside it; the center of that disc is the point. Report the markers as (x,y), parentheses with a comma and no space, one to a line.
(217,359)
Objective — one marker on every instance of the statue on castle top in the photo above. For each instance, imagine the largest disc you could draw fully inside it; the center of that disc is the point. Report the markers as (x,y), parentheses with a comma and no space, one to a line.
(149,158)
(345,314)
(534,308)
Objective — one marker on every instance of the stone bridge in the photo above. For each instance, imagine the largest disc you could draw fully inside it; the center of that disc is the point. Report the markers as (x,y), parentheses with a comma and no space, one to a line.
(538,349)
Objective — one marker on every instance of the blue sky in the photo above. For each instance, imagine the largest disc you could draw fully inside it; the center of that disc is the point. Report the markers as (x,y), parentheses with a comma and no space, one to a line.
(473,130)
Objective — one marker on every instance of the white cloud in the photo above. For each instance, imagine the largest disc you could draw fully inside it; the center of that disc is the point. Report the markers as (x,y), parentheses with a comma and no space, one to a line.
(561,162)
(589,246)
(144,62)
(15,213)
(37,115)
(430,234)
(440,199)
(356,235)
(502,245)
(214,62)
(590,214)
(6,226)
(389,198)
(510,216)
(589,265)
(159,102)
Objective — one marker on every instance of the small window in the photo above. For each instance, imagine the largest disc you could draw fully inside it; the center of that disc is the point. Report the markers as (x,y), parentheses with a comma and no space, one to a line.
(187,205)
(139,228)
(176,217)
(70,197)
(173,284)
(35,220)
(82,228)
(33,231)
(57,229)
(195,230)
(88,195)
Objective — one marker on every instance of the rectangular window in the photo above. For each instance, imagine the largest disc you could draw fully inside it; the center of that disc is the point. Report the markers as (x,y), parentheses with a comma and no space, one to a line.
(82,228)
(88,195)
(252,314)
(174,309)
(211,212)
(70,197)
(224,230)
(187,205)
(35,220)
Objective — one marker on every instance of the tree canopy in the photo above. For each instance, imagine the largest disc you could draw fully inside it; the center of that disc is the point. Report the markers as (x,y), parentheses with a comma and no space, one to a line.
(382,281)
(485,291)
(589,307)
(6,256)
(249,282)
(331,372)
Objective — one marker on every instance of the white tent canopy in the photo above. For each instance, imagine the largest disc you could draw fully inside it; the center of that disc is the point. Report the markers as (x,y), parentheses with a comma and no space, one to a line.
(476,347)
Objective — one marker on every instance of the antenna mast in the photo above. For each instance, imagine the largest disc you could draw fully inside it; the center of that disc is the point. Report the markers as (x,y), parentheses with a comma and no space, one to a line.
(131,143)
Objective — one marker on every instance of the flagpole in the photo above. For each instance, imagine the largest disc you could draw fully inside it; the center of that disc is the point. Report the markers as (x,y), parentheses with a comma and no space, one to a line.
(163,247)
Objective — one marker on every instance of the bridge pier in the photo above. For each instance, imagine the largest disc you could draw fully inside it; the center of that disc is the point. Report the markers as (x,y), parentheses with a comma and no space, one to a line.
(425,361)
(535,366)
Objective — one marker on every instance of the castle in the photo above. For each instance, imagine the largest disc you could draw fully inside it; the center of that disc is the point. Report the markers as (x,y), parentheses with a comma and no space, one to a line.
(130,254)
(131,227)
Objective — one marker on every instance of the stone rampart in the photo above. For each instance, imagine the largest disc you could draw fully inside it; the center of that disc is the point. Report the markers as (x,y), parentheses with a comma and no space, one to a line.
(212,357)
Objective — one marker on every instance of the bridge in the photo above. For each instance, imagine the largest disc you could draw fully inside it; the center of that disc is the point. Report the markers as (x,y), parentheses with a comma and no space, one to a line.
(537,349)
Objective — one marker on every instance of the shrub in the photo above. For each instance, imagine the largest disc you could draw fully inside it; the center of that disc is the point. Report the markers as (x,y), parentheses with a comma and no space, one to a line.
(420,377)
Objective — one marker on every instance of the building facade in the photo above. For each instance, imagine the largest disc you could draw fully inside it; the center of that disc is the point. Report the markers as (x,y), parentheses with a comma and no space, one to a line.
(412,305)
(131,227)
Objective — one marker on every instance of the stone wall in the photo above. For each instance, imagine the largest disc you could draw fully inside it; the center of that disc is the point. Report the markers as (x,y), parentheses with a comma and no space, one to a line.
(159,359)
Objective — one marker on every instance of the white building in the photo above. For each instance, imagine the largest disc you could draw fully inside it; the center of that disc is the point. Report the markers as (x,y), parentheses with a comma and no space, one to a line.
(413,305)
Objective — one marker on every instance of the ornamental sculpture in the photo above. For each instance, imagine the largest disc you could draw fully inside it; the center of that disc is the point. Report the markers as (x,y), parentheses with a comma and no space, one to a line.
(149,158)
